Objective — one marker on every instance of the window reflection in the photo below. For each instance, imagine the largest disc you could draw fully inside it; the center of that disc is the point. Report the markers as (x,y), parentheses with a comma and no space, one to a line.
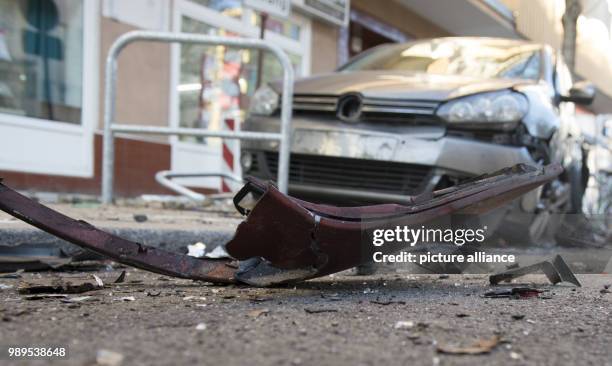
(230,8)
(281,26)
(228,75)
(41,58)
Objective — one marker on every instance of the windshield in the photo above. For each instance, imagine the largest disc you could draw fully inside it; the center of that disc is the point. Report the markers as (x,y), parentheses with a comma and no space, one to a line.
(492,59)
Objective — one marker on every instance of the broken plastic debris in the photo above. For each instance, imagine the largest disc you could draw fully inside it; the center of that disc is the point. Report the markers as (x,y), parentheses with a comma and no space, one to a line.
(201,326)
(404,324)
(284,239)
(121,278)
(45,296)
(515,355)
(556,271)
(217,253)
(256,313)
(108,358)
(78,299)
(56,286)
(320,310)
(196,250)
(480,346)
(16,274)
(515,292)
(98,281)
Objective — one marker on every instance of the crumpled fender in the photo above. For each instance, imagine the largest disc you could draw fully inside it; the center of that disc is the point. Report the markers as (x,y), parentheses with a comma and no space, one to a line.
(291,238)
(284,239)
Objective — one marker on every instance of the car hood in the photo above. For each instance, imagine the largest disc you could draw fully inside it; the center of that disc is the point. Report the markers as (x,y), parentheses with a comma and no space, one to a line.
(400,85)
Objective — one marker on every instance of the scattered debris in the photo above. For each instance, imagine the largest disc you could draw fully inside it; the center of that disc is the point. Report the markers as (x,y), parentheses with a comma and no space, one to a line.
(109,358)
(217,253)
(45,296)
(201,326)
(98,281)
(5,287)
(387,302)
(404,324)
(16,274)
(258,312)
(196,250)
(518,316)
(515,292)
(121,278)
(481,346)
(57,286)
(320,310)
(515,355)
(32,257)
(332,297)
(267,260)
(556,271)
(260,299)
(153,293)
(127,298)
(462,315)
(443,276)
(140,217)
(79,299)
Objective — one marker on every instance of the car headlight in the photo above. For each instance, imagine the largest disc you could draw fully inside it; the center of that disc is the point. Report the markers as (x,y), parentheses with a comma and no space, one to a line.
(504,107)
(264,101)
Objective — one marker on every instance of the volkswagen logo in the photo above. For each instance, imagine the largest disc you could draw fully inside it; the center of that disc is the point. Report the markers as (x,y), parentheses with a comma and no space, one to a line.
(349,107)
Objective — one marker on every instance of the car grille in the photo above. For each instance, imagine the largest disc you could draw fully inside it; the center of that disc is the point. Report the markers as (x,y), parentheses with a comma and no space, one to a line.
(354,174)
(373,108)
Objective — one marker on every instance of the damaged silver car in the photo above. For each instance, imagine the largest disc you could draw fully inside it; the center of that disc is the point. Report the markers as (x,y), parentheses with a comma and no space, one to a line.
(404,119)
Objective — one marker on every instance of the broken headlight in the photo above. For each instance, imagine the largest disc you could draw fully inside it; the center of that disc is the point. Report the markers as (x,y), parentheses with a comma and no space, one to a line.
(501,109)
(264,101)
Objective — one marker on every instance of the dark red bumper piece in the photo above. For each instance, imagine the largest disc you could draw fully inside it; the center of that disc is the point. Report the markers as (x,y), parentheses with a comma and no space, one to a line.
(284,239)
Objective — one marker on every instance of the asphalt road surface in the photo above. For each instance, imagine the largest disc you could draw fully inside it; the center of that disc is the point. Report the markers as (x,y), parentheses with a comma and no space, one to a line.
(387,319)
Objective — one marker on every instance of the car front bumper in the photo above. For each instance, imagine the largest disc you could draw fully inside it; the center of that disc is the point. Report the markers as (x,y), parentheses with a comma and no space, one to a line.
(333,159)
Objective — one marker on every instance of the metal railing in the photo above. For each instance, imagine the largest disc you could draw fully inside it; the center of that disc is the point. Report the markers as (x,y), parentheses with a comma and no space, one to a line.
(110,127)
(165,177)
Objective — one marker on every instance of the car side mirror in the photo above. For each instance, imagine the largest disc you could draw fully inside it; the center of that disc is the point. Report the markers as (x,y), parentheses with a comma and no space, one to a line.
(582,92)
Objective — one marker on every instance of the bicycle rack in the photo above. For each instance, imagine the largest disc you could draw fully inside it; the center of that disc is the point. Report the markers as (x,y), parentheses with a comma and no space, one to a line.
(111,128)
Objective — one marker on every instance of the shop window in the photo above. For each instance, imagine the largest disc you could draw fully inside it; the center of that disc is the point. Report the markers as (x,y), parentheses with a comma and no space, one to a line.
(41,59)
(229,77)
(284,27)
(230,8)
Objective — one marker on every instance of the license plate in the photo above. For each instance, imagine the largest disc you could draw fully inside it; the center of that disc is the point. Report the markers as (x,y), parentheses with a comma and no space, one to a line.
(344,144)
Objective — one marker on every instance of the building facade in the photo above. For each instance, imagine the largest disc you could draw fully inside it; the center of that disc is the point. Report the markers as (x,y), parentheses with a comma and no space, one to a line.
(52,57)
